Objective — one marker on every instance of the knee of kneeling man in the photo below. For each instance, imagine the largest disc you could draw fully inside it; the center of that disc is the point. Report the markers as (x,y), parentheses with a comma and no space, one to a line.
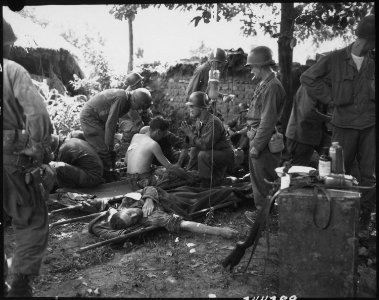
(204,155)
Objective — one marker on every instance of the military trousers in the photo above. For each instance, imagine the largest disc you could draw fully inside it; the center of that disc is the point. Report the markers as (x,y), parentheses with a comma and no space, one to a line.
(29,221)
(260,168)
(72,176)
(201,160)
(360,145)
(94,132)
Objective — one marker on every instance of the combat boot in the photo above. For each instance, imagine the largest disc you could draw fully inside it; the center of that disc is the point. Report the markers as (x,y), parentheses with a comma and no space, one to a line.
(20,286)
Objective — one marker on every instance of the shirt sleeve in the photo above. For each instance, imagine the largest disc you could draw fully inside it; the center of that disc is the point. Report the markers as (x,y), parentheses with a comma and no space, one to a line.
(150,192)
(111,124)
(269,117)
(197,83)
(205,141)
(37,119)
(317,79)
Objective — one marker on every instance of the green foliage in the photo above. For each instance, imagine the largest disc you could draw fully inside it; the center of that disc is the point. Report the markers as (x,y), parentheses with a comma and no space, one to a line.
(319,20)
(91,47)
(64,114)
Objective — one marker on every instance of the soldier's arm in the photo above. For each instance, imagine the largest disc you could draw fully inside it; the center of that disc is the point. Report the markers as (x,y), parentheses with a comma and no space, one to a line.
(269,117)
(37,120)
(211,133)
(111,124)
(317,80)
(196,83)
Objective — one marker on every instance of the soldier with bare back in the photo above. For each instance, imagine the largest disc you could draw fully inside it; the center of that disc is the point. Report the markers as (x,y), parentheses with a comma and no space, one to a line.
(142,150)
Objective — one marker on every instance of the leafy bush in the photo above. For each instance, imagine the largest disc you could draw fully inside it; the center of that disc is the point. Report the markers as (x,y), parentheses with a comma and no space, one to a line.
(64,114)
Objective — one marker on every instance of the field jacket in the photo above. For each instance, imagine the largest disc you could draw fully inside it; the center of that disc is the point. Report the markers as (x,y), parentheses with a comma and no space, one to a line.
(106,108)
(265,109)
(336,78)
(24,108)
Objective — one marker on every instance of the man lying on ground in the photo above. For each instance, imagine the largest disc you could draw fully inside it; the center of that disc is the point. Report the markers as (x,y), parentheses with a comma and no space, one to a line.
(154,206)
(143,148)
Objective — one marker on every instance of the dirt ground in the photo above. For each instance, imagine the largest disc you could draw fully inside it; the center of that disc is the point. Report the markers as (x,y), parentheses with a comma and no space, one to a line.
(161,264)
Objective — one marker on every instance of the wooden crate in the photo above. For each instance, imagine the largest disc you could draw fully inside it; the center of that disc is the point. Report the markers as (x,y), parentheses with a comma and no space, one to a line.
(314,262)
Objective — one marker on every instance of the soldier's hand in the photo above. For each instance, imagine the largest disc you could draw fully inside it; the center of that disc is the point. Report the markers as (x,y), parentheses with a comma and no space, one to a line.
(33,152)
(148,207)
(186,128)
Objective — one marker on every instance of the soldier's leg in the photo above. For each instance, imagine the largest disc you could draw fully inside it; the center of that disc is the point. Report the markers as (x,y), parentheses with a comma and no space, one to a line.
(222,160)
(366,161)
(301,154)
(95,136)
(261,168)
(71,176)
(30,225)
(348,139)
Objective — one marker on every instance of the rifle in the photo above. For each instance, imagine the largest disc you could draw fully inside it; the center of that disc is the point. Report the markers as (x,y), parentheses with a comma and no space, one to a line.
(76,219)
(117,239)
(238,252)
(108,200)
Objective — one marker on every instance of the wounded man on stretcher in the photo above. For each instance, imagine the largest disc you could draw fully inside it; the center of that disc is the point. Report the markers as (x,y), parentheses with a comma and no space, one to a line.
(155,207)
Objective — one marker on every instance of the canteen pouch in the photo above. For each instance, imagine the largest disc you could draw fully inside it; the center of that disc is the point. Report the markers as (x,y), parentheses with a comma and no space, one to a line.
(276,143)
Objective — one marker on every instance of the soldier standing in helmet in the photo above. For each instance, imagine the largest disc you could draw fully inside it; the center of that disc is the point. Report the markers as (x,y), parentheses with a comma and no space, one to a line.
(346,77)
(217,60)
(100,115)
(26,145)
(262,117)
(209,141)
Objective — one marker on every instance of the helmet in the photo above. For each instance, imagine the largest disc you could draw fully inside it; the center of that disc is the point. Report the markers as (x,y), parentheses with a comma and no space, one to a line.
(366,28)
(260,56)
(78,134)
(243,107)
(142,98)
(218,54)
(8,35)
(198,99)
(133,78)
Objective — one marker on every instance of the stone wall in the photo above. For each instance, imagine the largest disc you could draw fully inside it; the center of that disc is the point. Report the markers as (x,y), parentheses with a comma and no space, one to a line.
(241,87)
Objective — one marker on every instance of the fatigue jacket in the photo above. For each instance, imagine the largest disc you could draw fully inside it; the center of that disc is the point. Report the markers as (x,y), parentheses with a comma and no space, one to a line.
(79,153)
(107,107)
(199,80)
(305,125)
(204,139)
(265,109)
(24,107)
(335,77)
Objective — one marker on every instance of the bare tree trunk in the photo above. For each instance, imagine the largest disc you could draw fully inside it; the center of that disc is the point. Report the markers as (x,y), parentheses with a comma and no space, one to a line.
(130,64)
(285,59)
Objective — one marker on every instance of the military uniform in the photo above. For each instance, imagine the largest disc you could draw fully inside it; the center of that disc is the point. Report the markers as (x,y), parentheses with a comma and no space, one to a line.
(263,115)
(306,129)
(26,124)
(99,118)
(210,136)
(199,80)
(81,167)
(336,78)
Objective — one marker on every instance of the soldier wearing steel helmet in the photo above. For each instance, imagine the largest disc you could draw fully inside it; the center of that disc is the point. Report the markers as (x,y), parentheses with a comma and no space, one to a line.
(100,115)
(262,117)
(346,77)
(207,142)
(26,149)
(134,81)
